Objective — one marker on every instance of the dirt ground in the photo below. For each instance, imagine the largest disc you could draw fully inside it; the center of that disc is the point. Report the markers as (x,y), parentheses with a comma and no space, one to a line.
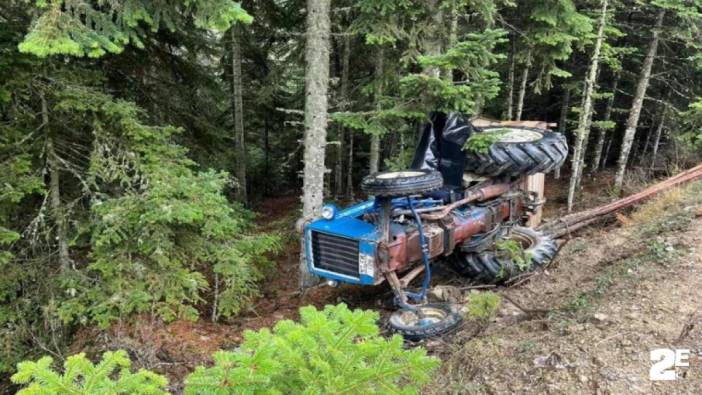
(587,324)
(584,325)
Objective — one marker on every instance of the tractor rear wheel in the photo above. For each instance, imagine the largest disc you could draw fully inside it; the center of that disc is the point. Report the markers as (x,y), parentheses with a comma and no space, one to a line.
(494,266)
(513,151)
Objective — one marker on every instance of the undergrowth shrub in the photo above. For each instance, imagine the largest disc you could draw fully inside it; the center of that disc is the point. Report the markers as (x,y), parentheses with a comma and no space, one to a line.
(483,305)
(159,226)
(111,376)
(332,351)
(514,251)
(149,230)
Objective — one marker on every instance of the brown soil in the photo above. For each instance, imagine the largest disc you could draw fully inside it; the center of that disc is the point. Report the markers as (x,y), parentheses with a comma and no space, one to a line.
(593,317)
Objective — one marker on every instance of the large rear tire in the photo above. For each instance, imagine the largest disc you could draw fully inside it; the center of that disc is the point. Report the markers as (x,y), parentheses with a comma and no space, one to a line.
(491,266)
(517,151)
(402,183)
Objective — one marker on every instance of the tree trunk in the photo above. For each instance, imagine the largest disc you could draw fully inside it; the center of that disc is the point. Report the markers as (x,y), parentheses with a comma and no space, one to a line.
(585,120)
(349,168)
(633,120)
(374,154)
(215,299)
(375,139)
(605,154)
(562,121)
(57,209)
(597,156)
(432,44)
(238,113)
(649,136)
(565,108)
(510,87)
(522,88)
(452,36)
(343,106)
(266,156)
(657,139)
(316,86)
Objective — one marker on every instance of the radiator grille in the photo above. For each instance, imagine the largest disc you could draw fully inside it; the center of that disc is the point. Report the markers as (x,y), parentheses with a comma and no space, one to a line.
(335,254)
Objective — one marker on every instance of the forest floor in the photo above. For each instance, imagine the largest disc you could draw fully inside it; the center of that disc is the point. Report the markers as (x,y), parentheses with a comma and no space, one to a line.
(614,293)
(589,321)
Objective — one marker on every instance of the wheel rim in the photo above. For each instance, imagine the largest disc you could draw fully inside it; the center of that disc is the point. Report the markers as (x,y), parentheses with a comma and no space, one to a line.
(513,135)
(524,240)
(424,316)
(399,174)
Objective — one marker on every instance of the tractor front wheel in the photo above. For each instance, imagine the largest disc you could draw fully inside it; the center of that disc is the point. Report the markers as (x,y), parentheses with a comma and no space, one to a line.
(425,321)
(402,183)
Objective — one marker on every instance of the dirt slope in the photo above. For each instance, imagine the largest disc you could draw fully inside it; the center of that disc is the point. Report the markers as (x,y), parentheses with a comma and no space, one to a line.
(612,296)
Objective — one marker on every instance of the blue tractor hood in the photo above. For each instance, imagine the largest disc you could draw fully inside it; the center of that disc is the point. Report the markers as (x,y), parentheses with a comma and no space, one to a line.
(353,236)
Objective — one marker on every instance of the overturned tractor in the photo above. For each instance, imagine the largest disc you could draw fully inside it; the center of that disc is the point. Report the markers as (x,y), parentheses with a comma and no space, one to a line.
(459,203)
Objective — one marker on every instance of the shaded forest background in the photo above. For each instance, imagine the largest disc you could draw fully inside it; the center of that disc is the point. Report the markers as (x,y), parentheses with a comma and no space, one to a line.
(135,138)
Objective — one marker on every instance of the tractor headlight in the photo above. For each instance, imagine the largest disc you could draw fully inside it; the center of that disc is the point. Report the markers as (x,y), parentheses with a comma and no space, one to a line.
(328,211)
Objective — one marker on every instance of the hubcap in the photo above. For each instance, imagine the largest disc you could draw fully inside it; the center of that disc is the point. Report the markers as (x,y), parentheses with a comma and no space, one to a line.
(511,135)
(524,240)
(424,316)
(398,174)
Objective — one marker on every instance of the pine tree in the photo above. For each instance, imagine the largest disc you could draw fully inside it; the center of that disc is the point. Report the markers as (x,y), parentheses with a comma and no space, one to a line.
(563,120)
(79,28)
(124,221)
(335,350)
(316,86)
(585,120)
(546,31)
(344,93)
(238,113)
(374,161)
(684,23)
(603,126)
(81,377)
(637,104)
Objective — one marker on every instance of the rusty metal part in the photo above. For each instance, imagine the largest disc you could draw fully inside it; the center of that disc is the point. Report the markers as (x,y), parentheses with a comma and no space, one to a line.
(411,275)
(448,225)
(384,243)
(405,248)
(385,218)
(397,287)
(442,236)
(573,222)
(484,193)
